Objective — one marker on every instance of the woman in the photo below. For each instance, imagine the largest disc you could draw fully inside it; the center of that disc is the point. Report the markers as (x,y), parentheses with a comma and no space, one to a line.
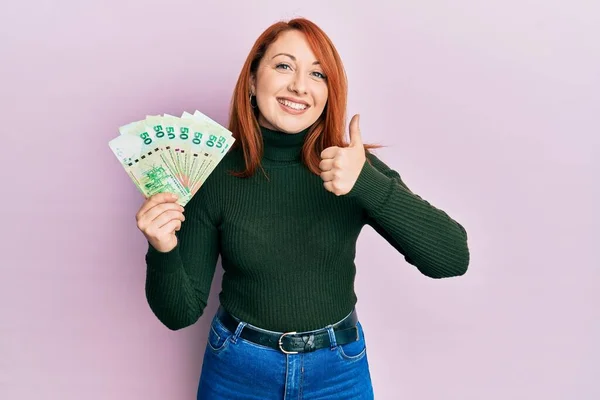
(287,235)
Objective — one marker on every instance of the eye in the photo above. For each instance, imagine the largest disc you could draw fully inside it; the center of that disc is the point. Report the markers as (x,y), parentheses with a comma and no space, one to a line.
(319,75)
(282,66)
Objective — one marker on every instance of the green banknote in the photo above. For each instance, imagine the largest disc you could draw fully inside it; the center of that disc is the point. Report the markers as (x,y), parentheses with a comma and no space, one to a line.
(165,153)
(211,142)
(147,167)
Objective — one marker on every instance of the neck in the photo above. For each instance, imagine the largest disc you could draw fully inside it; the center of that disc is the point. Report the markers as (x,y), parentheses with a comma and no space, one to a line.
(282,146)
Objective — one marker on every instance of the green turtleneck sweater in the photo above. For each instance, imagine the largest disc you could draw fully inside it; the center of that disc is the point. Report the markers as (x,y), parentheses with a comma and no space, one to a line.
(287,245)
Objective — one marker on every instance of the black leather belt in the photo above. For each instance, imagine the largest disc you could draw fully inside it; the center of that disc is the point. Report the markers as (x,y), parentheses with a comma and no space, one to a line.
(345,332)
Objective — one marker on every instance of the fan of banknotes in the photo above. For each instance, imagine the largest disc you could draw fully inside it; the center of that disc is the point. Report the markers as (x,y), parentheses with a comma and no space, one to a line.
(165,153)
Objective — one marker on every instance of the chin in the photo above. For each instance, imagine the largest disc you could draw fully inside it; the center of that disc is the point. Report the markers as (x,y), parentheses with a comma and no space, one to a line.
(294,126)
(293,129)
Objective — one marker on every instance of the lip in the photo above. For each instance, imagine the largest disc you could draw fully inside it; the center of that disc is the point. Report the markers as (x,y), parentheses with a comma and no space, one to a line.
(290,110)
(294,100)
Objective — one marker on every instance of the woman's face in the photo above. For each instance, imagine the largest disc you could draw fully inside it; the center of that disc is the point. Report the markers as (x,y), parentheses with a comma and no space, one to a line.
(290,86)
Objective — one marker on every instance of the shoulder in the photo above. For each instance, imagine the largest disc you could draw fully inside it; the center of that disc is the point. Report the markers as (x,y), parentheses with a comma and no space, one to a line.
(374,159)
(376,163)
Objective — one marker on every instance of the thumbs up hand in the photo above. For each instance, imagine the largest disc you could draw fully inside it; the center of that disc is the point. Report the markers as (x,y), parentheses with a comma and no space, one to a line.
(341,166)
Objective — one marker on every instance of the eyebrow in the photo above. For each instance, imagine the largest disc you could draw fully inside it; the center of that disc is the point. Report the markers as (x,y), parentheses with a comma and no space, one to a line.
(292,57)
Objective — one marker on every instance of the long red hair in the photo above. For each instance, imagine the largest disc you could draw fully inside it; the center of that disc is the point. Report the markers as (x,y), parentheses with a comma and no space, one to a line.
(327,131)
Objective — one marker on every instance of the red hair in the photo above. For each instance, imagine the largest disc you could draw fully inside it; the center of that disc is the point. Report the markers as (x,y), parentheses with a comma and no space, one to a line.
(327,131)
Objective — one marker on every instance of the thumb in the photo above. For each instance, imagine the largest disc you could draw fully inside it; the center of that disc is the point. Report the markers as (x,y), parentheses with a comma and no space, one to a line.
(355,136)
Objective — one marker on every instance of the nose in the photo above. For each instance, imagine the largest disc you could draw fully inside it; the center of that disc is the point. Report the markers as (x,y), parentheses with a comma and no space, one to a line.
(298,83)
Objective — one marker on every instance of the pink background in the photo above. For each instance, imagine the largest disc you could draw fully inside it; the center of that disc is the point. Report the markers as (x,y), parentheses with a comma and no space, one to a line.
(489,111)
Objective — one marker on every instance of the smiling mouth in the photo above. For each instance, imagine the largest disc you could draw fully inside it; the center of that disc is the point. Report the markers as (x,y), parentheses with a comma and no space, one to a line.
(292,105)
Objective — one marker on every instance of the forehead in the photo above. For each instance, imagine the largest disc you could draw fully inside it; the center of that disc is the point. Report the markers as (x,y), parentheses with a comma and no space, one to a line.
(294,43)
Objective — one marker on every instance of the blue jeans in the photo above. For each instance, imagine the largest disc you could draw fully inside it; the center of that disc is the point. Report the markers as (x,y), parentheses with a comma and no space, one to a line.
(235,368)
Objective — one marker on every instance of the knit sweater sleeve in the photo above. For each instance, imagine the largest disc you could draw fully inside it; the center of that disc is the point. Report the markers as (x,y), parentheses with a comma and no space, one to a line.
(178,282)
(426,236)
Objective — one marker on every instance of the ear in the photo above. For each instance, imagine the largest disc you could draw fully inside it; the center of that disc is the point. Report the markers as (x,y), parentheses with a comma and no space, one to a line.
(253,85)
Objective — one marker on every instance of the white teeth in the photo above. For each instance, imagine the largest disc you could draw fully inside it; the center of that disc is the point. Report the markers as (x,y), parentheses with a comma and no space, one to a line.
(293,105)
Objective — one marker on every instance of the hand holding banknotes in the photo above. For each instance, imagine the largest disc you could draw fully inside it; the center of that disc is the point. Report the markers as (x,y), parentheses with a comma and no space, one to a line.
(159,218)
(169,158)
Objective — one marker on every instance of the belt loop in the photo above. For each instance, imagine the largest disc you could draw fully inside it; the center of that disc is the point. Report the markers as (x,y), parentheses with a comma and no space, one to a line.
(238,331)
(332,341)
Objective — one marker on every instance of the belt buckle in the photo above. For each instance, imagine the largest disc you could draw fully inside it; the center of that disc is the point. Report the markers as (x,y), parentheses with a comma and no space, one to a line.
(281,343)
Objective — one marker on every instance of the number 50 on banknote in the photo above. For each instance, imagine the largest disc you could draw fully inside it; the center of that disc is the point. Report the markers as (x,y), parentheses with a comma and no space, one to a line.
(165,153)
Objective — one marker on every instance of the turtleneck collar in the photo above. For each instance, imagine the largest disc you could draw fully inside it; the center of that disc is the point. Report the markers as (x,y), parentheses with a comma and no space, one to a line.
(282,146)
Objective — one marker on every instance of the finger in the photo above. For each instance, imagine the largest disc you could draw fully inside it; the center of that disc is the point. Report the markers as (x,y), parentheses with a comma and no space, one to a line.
(329,186)
(154,200)
(329,152)
(159,209)
(327,176)
(170,227)
(355,136)
(166,217)
(326,164)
